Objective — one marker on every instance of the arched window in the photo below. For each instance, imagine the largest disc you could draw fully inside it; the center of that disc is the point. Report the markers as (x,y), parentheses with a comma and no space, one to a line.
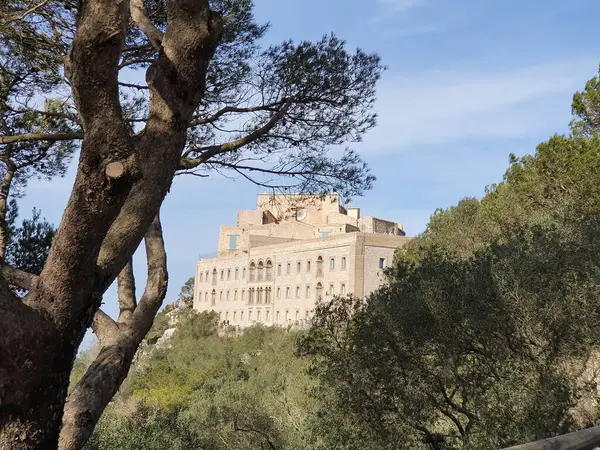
(319,291)
(252,271)
(320,266)
(214,276)
(269,268)
(213,297)
(261,271)
(268,295)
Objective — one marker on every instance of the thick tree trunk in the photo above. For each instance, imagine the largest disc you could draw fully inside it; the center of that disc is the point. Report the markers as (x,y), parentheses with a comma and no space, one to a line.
(105,218)
(34,366)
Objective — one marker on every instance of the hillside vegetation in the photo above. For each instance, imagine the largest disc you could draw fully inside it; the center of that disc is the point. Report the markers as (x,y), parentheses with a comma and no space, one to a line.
(485,336)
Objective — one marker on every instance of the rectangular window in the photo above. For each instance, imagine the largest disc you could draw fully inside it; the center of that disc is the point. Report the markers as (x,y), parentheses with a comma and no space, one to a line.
(287,315)
(228,274)
(243,294)
(227,295)
(297,291)
(297,315)
(331,289)
(235,295)
(206,296)
(222,275)
(277,316)
(382,263)
(324,234)
(343,289)
(289,268)
(249,316)
(241,316)
(298,267)
(244,273)
(221,295)
(237,273)
(278,293)
(308,266)
(267,315)
(287,292)
(343,262)
(307,291)
(332,264)
(234,314)
(227,315)
(257,315)
(200,277)
(233,241)
(278,270)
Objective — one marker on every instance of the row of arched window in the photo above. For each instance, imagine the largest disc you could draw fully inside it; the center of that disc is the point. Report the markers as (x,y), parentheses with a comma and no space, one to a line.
(263,271)
(257,296)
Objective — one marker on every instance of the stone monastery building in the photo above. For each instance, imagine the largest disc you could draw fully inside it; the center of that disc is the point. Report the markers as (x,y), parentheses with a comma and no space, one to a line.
(290,252)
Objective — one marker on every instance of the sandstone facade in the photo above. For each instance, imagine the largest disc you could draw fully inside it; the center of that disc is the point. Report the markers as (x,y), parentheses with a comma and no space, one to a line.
(290,252)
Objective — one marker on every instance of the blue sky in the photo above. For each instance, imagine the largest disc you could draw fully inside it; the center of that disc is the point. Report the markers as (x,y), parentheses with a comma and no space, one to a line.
(469,81)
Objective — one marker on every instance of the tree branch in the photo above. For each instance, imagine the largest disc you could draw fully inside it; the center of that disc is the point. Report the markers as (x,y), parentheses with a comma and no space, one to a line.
(176,81)
(41,137)
(104,327)
(60,115)
(19,278)
(118,346)
(29,11)
(232,109)
(236,427)
(134,86)
(139,16)
(126,293)
(156,284)
(210,151)
(282,172)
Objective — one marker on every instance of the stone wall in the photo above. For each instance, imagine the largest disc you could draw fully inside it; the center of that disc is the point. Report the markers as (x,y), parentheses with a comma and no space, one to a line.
(296,274)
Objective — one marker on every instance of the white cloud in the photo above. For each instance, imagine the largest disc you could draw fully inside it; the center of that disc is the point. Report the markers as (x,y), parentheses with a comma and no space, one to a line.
(400,5)
(439,107)
(391,9)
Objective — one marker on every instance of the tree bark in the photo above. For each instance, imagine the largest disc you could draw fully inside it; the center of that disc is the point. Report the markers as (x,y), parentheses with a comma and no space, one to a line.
(4,191)
(7,181)
(118,344)
(103,223)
